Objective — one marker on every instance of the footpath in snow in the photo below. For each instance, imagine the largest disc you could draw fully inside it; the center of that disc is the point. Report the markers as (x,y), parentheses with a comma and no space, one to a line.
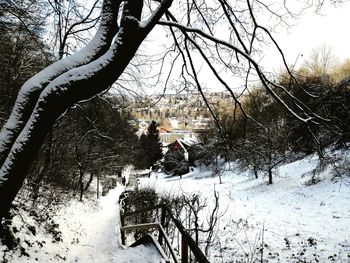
(95,233)
(90,234)
(291,221)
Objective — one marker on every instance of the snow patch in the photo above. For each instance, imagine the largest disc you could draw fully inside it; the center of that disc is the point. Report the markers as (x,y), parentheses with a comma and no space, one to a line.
(288,219)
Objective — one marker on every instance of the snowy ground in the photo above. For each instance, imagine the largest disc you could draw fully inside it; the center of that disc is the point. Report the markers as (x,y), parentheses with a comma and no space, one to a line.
(291,221)
(90,233)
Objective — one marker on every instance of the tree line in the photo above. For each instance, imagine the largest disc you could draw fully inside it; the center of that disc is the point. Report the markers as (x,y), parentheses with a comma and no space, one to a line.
(267,135)
(86,139)
(74,80)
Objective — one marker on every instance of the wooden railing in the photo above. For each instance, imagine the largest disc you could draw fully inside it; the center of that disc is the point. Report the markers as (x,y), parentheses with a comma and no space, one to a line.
(161,230)
(162,215)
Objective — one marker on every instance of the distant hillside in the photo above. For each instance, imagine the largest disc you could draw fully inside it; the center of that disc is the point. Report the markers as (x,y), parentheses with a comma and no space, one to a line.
(185,108)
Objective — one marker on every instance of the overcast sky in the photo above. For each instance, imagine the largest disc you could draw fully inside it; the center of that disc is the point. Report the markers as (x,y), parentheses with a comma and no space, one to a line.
(312,31)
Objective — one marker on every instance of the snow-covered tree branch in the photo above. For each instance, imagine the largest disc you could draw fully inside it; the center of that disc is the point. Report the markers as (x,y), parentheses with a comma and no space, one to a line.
(70,83)
(226,35)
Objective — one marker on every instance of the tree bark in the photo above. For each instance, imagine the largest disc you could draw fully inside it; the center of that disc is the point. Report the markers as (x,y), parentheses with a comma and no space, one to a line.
(270,175)
(71,87)
(30,91)
(255,169)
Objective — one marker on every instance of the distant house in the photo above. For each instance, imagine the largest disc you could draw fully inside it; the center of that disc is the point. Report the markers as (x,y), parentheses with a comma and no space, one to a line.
(182,145)
(143,124)
(163,129)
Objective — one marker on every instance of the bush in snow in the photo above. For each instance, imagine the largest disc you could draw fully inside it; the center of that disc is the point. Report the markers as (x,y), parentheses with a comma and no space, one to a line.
(192,210)
(27,229)
(141,199)
(175,163)
(201,154)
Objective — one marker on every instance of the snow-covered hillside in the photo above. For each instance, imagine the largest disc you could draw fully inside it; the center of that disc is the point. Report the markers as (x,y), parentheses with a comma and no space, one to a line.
(291,221)
(288,221)
(90,234)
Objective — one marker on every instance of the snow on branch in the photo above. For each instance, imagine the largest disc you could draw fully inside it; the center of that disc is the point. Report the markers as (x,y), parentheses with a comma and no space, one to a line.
(263,78)
(30,91)
(75,85)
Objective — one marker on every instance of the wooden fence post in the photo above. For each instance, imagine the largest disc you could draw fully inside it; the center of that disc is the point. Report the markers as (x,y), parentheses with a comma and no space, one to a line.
(162,223)
(122,232)
(187,242)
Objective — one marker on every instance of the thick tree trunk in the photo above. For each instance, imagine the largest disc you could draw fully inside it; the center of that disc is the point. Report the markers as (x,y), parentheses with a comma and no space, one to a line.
(69,88)
(30,91)
(98,186)
(43,167)
(270,175)
(81,182)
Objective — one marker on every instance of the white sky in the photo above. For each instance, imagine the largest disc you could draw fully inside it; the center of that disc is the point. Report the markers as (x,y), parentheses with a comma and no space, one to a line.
(308,32)
(312,31)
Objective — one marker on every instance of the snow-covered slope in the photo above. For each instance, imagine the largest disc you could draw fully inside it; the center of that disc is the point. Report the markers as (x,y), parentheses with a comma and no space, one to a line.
(90,234)
(291,221)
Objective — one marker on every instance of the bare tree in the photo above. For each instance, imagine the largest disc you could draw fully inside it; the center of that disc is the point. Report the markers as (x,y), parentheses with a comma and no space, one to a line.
(71,23)
(124,25)
(321,61)
(69,87)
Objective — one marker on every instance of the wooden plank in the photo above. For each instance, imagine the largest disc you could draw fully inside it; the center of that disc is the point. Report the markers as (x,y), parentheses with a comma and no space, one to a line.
(197,252)
(162,223)
(140,226)
(160,249)
(122,233)
(167,241)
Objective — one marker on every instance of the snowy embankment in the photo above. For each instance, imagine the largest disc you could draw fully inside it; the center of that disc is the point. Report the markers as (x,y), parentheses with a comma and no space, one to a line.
(291,221)
(90,233)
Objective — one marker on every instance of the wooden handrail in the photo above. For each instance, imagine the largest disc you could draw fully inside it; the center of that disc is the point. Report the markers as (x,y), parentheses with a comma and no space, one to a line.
(186,239)
(160,228)
(140,226)
(167,241)
(197,252)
